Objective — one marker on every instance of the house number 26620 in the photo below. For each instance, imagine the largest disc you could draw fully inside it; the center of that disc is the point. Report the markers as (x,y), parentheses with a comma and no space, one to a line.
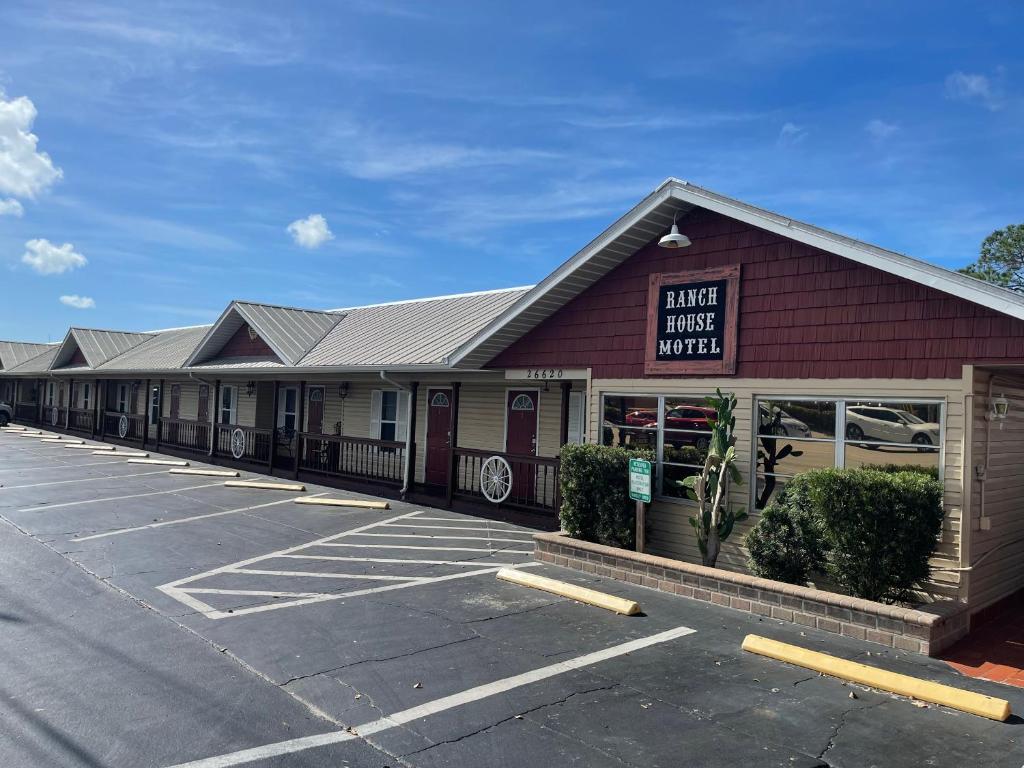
(544,373)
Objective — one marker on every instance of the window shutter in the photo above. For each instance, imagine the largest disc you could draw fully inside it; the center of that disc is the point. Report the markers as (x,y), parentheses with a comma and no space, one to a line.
(402,428)
(576,417)
(375,414)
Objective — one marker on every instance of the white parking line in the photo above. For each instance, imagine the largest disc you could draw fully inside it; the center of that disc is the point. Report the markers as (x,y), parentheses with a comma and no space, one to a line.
(120,498)
(181,590)
(399,561)
(456,528)
(436,706)
(191,519)
(433,549)
(82,480)
(470,520)
(70,466)
(446,538)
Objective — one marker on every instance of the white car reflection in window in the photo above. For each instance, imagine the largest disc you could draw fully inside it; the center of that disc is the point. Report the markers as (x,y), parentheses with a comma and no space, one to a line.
(890,425)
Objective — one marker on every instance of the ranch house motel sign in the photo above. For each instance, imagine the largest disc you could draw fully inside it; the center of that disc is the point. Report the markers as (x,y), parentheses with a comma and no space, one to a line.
(691,321)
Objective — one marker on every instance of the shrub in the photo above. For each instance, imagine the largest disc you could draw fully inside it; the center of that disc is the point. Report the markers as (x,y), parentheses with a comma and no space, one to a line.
(879,528)
(932,472)
(785,544)
(871,531)
(595,493)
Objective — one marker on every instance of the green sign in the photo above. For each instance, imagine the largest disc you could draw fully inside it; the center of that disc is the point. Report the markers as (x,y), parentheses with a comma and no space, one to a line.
(640,480)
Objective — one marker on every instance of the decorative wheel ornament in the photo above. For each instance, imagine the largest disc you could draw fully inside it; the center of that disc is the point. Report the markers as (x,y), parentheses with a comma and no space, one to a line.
(238,443)
(122,426)
(496,479)
(54,416)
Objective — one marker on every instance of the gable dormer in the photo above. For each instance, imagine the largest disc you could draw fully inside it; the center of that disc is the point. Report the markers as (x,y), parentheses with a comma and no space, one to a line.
(91,348)
(249,331)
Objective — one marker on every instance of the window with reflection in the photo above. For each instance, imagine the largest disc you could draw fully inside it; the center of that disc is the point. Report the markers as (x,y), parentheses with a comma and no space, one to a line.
(797,435)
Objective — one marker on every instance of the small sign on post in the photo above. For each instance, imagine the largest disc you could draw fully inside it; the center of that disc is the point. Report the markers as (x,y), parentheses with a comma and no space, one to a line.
(640,492)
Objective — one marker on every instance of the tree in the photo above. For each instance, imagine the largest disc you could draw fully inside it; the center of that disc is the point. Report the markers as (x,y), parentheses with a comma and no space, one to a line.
(1002,258)
(714,520)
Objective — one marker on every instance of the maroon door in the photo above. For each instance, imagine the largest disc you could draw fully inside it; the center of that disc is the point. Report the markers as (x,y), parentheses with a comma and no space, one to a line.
(315,413)
(439,435)
(204,403)
(521,440)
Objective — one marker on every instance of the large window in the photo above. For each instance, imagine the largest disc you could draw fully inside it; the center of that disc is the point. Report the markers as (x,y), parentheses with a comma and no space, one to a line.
(676,428)
(389,414)
(86,396)
(228,404)
(154,405)
(795,435)
(288,399)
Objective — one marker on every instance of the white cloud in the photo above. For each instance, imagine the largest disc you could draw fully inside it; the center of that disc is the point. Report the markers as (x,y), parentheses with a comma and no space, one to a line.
(10,207)
(978,89)
(311,232)
(49,259)
(78,302)
(879,129)
(24,172)
(791,134)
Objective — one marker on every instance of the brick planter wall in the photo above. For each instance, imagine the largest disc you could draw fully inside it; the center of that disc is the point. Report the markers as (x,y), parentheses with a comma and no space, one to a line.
(927,630)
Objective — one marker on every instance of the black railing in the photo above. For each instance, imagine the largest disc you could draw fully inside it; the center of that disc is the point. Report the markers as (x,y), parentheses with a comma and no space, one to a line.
(54,416)
(357,457)
(184,434)
(124,426)
(252,444)
(26,412)
(534,479)
(81,420)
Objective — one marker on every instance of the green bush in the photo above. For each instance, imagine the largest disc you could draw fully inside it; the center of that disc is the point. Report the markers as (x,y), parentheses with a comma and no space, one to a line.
(932,472)
(595,493)
(785,543)
(872,531)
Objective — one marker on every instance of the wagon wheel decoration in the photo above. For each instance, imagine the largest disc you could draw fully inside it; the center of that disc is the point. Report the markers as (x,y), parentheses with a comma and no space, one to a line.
(122,426)
(54,416)
(238,443)
(496,479)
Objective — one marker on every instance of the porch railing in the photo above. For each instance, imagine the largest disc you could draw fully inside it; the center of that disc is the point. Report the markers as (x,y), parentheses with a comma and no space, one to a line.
(253,446)
(81,420)
(133,424)
(534,479)
(185,434)
(26,412)
(54,416)
(355,457)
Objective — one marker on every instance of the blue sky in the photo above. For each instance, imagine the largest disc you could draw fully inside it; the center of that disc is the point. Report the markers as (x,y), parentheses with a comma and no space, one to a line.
(458,146)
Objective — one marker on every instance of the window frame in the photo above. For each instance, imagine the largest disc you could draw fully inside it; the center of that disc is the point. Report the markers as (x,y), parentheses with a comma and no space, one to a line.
(232,407)
(842,402)
(381,421)
(86,393)
(282,407)
(155,405)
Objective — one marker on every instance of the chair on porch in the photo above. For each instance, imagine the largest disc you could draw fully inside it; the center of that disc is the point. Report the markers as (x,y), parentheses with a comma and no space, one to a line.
(284,439)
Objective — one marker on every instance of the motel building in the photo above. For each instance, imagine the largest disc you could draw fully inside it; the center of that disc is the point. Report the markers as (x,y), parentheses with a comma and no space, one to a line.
(849,353)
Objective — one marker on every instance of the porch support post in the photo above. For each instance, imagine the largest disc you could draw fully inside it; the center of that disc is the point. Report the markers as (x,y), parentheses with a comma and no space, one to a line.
(273,430)
(147,403)
(453,443)
(563,424)
(213,418)
(71,402)
(39,405)
(103,409)
(410,459)
(160,415)
(299,427)
(97,407)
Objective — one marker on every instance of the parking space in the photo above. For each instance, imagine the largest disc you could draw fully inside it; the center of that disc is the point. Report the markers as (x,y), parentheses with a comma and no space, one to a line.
(226,626)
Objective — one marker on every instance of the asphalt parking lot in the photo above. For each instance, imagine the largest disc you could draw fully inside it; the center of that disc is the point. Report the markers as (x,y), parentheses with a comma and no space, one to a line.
(149,619)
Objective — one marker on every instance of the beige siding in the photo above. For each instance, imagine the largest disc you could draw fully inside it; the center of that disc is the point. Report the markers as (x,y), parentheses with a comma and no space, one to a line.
(671,534)
(997,503)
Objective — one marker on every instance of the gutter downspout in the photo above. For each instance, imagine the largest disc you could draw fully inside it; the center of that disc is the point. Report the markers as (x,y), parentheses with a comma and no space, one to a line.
(213,412)
(408,433)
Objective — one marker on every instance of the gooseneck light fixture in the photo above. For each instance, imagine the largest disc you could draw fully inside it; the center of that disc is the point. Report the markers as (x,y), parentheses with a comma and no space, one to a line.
(674,239)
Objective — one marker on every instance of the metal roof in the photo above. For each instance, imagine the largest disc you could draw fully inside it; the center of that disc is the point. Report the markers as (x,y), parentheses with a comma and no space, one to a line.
(37,364)
(288,331)
(652,217)
(164,351)
(417,332)
(14,353)
(97,346)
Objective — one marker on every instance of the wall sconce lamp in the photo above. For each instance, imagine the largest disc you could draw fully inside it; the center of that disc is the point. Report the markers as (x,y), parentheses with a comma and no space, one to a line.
(343,390)
(250,388)
(998,408)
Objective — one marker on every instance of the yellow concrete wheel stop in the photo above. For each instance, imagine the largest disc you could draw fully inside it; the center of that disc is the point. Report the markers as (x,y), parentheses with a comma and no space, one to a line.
(572,591)
(360,503)
(205,472)
(893,682)
(296,487)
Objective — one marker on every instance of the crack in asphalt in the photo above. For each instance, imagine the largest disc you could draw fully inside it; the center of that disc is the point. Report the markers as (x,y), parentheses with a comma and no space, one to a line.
(839,726)
(377,660)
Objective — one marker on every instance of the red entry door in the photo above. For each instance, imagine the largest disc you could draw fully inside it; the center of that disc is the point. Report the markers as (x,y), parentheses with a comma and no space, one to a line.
(439,435)
(315,411)
(521,440)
